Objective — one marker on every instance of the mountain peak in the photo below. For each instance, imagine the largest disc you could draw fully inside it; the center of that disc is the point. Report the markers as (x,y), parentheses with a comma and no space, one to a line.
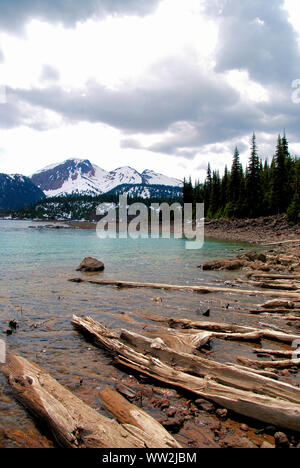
(81,176)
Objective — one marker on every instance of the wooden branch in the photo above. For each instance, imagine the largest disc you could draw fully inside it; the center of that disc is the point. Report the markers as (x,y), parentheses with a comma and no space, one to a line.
(130,415)
(274,311)
(225,374)
(274,352)
(284,364)
(273,411)
(272,335)
(73,423)
(199,289)
(277,411)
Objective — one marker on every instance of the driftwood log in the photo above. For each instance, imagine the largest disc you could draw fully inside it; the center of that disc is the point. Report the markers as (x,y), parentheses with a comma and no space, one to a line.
(132,416)
(284,364)
(222,328)
(73,423)
(274,352)
(282,412)
(198,289)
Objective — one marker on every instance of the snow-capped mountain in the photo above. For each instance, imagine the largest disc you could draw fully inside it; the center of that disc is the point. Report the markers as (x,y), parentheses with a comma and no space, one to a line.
(17,191)
(82,177)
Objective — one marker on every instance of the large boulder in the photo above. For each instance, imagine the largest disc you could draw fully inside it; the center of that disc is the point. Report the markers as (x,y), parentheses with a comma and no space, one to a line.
(90,264)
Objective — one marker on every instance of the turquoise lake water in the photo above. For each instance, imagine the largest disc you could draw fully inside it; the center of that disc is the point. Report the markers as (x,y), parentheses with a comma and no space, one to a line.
(35,267)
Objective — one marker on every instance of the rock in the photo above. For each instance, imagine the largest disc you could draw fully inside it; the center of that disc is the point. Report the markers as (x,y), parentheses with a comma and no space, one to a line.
(158,300)
(266,445)
(90,264)
(281,440)
(207,313)
(244,428)
(253,256)
(172,424)
(222,414)
(13,324)
(205,405)
(171,412)
(236,442)
(223,264)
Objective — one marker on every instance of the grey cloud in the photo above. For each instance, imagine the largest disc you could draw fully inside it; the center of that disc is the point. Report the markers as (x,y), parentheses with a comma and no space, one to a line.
(16,13)
(256,36)
(1,56)
(49,73)
(143,109)
(130,143)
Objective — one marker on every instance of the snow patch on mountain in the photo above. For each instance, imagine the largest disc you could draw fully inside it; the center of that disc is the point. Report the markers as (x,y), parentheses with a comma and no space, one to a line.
(80,176)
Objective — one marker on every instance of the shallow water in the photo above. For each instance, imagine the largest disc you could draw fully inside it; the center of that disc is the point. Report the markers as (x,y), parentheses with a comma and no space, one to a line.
(35,266)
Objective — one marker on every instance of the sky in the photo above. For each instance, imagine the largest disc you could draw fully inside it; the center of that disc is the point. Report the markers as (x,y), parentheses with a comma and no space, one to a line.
(168,85)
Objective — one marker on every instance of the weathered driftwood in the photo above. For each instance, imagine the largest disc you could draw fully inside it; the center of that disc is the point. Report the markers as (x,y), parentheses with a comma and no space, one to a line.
(278,304)
(274,352)
(199,289)
(290,277)
(273,411)
(265,373)
(181,342)
(277,411)
(274,311)
(271,285)
(284,364)
(292,241)
(189,341)
(73,423)
(226,328)
(225,374)
(130,415)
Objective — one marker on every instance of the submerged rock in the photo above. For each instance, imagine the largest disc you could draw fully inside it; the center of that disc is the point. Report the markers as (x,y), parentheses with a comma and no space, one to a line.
(90,264)
(223,264)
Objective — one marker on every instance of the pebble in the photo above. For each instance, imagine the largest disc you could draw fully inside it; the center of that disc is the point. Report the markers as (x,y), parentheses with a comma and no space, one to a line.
(244,428)
(205,405)
(222,414)
(281,440)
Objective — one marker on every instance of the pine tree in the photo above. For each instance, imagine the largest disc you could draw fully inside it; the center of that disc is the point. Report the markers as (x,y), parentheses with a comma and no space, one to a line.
(254,182)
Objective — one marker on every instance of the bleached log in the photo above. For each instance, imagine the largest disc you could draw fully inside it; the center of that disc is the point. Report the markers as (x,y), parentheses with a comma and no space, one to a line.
(274,311)
(271,285)
(278,304)
(130,415)
(73,423)
(265,333)
(284,364)
(274,352)
(198,289)
(225,374)
(182,342)
(277,411)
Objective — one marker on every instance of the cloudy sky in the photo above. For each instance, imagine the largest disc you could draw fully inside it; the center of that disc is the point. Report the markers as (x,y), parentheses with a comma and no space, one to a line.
(162,84)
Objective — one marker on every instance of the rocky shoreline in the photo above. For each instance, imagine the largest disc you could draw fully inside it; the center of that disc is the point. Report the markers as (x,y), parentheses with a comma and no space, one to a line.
(264,230)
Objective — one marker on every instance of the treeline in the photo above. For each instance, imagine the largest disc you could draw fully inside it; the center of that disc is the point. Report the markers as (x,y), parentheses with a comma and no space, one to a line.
(78,207)
(262,189)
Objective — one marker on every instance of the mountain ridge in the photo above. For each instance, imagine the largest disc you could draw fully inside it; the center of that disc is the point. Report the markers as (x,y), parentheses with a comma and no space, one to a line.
(82,177)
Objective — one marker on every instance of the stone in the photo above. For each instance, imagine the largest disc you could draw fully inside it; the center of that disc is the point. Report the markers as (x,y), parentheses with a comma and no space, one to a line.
(90,264)
(205,405)
(281,440)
